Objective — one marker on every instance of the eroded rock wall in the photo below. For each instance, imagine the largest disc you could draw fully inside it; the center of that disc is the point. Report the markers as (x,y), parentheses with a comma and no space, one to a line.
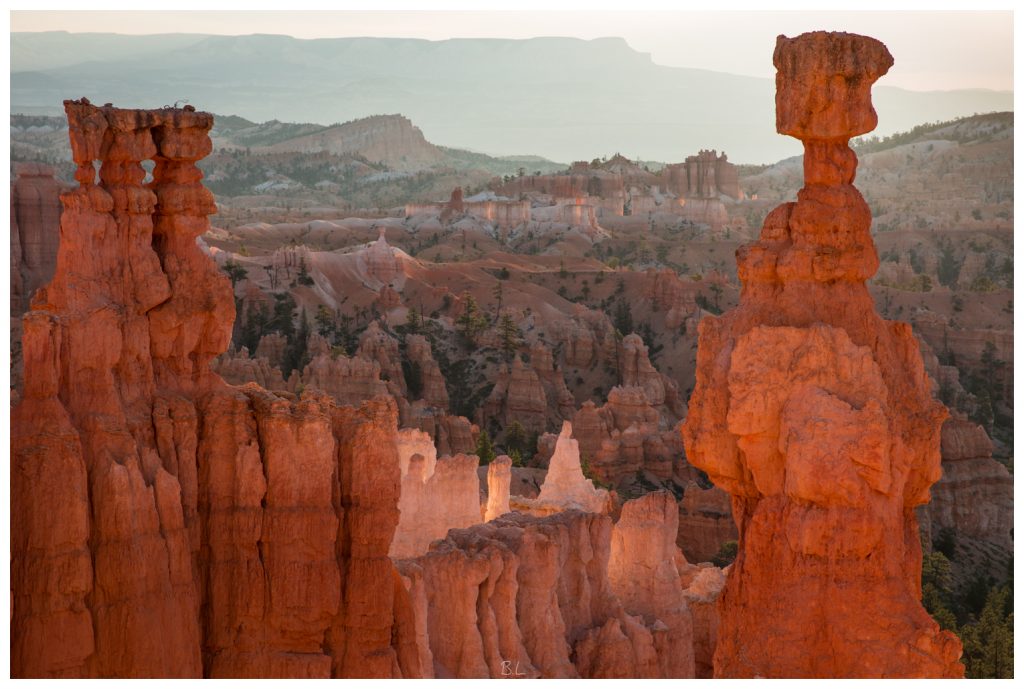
(165,524)
(523,596)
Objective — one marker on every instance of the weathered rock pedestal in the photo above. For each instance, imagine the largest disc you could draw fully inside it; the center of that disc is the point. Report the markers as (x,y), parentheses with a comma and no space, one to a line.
(816,415)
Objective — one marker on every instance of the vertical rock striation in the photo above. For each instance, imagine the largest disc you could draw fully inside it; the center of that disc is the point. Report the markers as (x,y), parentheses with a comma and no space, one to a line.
(165,524)
(522,596)
(35,223)
(816,415)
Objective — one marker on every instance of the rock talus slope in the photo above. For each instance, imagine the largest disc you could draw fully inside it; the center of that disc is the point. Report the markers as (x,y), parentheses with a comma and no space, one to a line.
(816,415)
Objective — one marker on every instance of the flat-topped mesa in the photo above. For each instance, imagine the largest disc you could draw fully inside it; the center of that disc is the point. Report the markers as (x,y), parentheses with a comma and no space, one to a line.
(816,415)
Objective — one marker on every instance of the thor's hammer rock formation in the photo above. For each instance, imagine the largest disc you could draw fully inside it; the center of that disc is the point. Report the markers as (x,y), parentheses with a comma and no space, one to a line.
(816,415)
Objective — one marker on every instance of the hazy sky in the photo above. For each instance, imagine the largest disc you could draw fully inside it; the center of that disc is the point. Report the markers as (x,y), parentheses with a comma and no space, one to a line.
(936,50)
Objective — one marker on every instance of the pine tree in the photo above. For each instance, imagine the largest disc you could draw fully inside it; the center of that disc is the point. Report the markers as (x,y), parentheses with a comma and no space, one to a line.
(988,645)
(471,323)
(235,272)
(304,278)
(325,323)
(256,318)
(413,322)
(498,293)
(284,315)
(484,448)
(296,354)
(623,318)
(515,438)
(511,338)
(936,592)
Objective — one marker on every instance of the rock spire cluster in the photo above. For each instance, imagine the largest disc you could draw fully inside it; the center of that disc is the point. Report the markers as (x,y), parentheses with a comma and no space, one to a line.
(165,524)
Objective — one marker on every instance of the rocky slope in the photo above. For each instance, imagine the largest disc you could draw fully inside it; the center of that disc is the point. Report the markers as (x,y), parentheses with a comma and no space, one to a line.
(382,160)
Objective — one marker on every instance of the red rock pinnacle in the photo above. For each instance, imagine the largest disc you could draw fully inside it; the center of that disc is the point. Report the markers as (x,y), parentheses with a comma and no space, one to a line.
(163,523)
(816,414)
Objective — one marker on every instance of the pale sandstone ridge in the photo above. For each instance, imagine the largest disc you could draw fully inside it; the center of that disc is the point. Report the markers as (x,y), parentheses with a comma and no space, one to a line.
(380,265)
(642,569)
(448,497)
(165,524)
(559,596)
(816,415)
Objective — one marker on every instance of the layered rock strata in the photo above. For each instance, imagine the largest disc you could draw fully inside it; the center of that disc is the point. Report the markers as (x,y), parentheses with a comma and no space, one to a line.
(622,437)
(974,497)
(816,415)
(378,263)
(636,370)
(432,389)
(375,344)
(165,524)
(705,522)
(238,368)
(518,395)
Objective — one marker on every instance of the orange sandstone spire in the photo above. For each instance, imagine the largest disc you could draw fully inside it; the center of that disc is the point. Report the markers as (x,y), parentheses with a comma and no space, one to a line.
(163,523)
(816,415)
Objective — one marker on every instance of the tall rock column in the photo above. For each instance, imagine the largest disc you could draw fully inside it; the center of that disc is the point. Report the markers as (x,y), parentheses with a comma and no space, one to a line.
(816,415)
(163,523)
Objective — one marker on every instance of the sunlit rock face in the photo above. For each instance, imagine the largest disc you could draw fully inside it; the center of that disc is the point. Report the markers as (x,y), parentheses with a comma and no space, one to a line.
(565,485)
(437,495)
(816,415)
(565,595)
(164,523)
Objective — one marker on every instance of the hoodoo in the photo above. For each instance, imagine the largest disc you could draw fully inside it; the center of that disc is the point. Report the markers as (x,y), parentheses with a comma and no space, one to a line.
(816,415)
(163,523)
(167,524)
